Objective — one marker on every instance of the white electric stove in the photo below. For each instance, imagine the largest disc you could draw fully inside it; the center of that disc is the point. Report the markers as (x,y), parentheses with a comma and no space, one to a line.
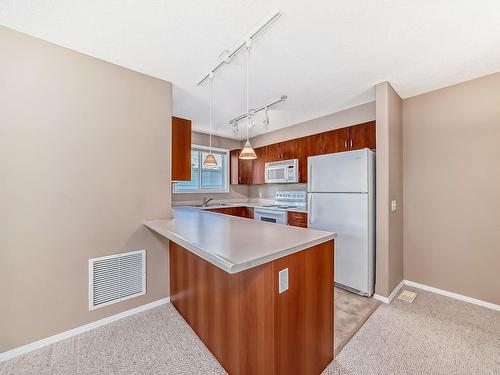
(276,212)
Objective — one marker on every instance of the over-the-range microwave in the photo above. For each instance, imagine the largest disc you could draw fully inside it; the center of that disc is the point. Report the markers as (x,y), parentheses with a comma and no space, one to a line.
(285,171)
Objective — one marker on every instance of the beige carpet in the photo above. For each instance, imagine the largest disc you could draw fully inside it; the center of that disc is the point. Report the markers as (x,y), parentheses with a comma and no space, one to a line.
(434,335)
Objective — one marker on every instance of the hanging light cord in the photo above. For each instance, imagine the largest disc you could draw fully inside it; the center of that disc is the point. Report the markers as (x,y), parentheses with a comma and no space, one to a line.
(211,105)
(248,85)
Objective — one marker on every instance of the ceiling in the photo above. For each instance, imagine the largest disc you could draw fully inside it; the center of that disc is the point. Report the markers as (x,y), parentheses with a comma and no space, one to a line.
(325,55)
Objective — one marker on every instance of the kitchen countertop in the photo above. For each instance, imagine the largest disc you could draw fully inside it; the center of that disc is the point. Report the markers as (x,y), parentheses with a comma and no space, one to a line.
(232,243)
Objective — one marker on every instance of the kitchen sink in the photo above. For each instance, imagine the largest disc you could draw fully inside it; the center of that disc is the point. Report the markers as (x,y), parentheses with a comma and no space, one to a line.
(212,205)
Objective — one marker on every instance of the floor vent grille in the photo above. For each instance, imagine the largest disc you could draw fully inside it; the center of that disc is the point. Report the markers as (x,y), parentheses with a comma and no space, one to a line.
(116,278)
(407,296)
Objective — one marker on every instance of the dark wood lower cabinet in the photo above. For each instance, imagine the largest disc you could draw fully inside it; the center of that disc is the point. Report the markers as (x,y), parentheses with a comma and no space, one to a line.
(246,212)
(297,219)
(248,326)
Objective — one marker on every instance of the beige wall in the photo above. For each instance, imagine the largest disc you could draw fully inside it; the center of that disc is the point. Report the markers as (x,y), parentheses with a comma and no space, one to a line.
(235,191)
(84,158)
(451,188)
(355,115)
(389,233)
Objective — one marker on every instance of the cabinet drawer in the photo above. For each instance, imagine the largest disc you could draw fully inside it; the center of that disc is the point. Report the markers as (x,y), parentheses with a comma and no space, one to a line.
(297,219)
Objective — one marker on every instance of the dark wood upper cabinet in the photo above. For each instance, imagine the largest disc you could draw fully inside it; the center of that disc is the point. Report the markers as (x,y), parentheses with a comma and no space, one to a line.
(245,168)
(258,165)
(349,138)
(303,154)
(335,141)
(273,152)
(283,150)
(362,135)
(289,149)
(314,145)
(241,171)
(181,149)
(234,176)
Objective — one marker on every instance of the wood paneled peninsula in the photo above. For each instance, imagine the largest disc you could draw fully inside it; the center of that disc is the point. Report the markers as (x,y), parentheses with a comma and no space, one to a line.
(225,282)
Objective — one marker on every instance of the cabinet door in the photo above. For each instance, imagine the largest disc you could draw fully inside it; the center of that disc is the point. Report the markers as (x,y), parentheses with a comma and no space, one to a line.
(245,171)
(362,135)
(290,149)
(297,219)
(303,154)
(274,152)
(258,165)
(335,140)
(234,178)
(314,145)
(181,149)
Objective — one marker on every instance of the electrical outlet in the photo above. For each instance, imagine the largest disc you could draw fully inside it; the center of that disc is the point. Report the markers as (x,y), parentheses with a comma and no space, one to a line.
(283,280)
(393,205)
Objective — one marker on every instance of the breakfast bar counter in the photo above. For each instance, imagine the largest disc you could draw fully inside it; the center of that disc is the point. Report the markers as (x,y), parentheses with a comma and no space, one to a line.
(231,243)
(259,295)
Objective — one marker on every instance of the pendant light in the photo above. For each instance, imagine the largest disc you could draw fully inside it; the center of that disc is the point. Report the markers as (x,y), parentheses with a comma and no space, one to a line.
(210,160)
(248,153)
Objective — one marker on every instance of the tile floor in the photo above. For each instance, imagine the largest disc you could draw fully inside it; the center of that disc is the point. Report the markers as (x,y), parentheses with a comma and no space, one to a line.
(351,312)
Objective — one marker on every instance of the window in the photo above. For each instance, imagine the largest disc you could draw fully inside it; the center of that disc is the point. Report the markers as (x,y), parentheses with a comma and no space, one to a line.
(206,179)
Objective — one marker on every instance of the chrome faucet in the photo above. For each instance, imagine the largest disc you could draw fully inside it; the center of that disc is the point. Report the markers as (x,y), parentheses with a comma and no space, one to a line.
(206,201)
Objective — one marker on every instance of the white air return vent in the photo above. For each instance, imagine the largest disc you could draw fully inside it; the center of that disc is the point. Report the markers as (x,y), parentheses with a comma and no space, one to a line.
(116,278)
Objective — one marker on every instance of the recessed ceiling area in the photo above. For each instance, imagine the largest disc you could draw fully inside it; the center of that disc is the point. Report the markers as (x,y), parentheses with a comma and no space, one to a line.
(325,56)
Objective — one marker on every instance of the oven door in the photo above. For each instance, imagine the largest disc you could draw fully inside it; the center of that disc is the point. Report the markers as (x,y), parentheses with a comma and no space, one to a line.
(270,216)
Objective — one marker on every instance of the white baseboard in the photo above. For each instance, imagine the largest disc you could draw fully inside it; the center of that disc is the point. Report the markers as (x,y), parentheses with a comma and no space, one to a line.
(442,292)
(391,296)
(460,297)
(75,331)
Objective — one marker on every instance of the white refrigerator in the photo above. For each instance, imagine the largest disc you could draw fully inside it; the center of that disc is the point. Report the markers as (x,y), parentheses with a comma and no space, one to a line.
(341,199)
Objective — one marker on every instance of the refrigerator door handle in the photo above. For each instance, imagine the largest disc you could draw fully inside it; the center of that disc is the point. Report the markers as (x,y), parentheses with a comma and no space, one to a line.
(310,177)
(310,208)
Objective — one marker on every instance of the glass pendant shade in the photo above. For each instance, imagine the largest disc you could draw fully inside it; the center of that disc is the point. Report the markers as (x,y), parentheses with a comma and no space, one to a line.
(210,161)
(247,153)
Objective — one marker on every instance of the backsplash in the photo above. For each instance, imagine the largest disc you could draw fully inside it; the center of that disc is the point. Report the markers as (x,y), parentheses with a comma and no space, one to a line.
(268,191)
(235,192)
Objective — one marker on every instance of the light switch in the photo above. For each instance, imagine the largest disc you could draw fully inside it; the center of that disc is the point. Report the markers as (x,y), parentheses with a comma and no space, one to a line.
(393,205)
(283,280)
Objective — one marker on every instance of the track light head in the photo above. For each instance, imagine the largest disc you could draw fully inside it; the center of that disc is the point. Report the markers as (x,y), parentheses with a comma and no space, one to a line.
(266,118)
